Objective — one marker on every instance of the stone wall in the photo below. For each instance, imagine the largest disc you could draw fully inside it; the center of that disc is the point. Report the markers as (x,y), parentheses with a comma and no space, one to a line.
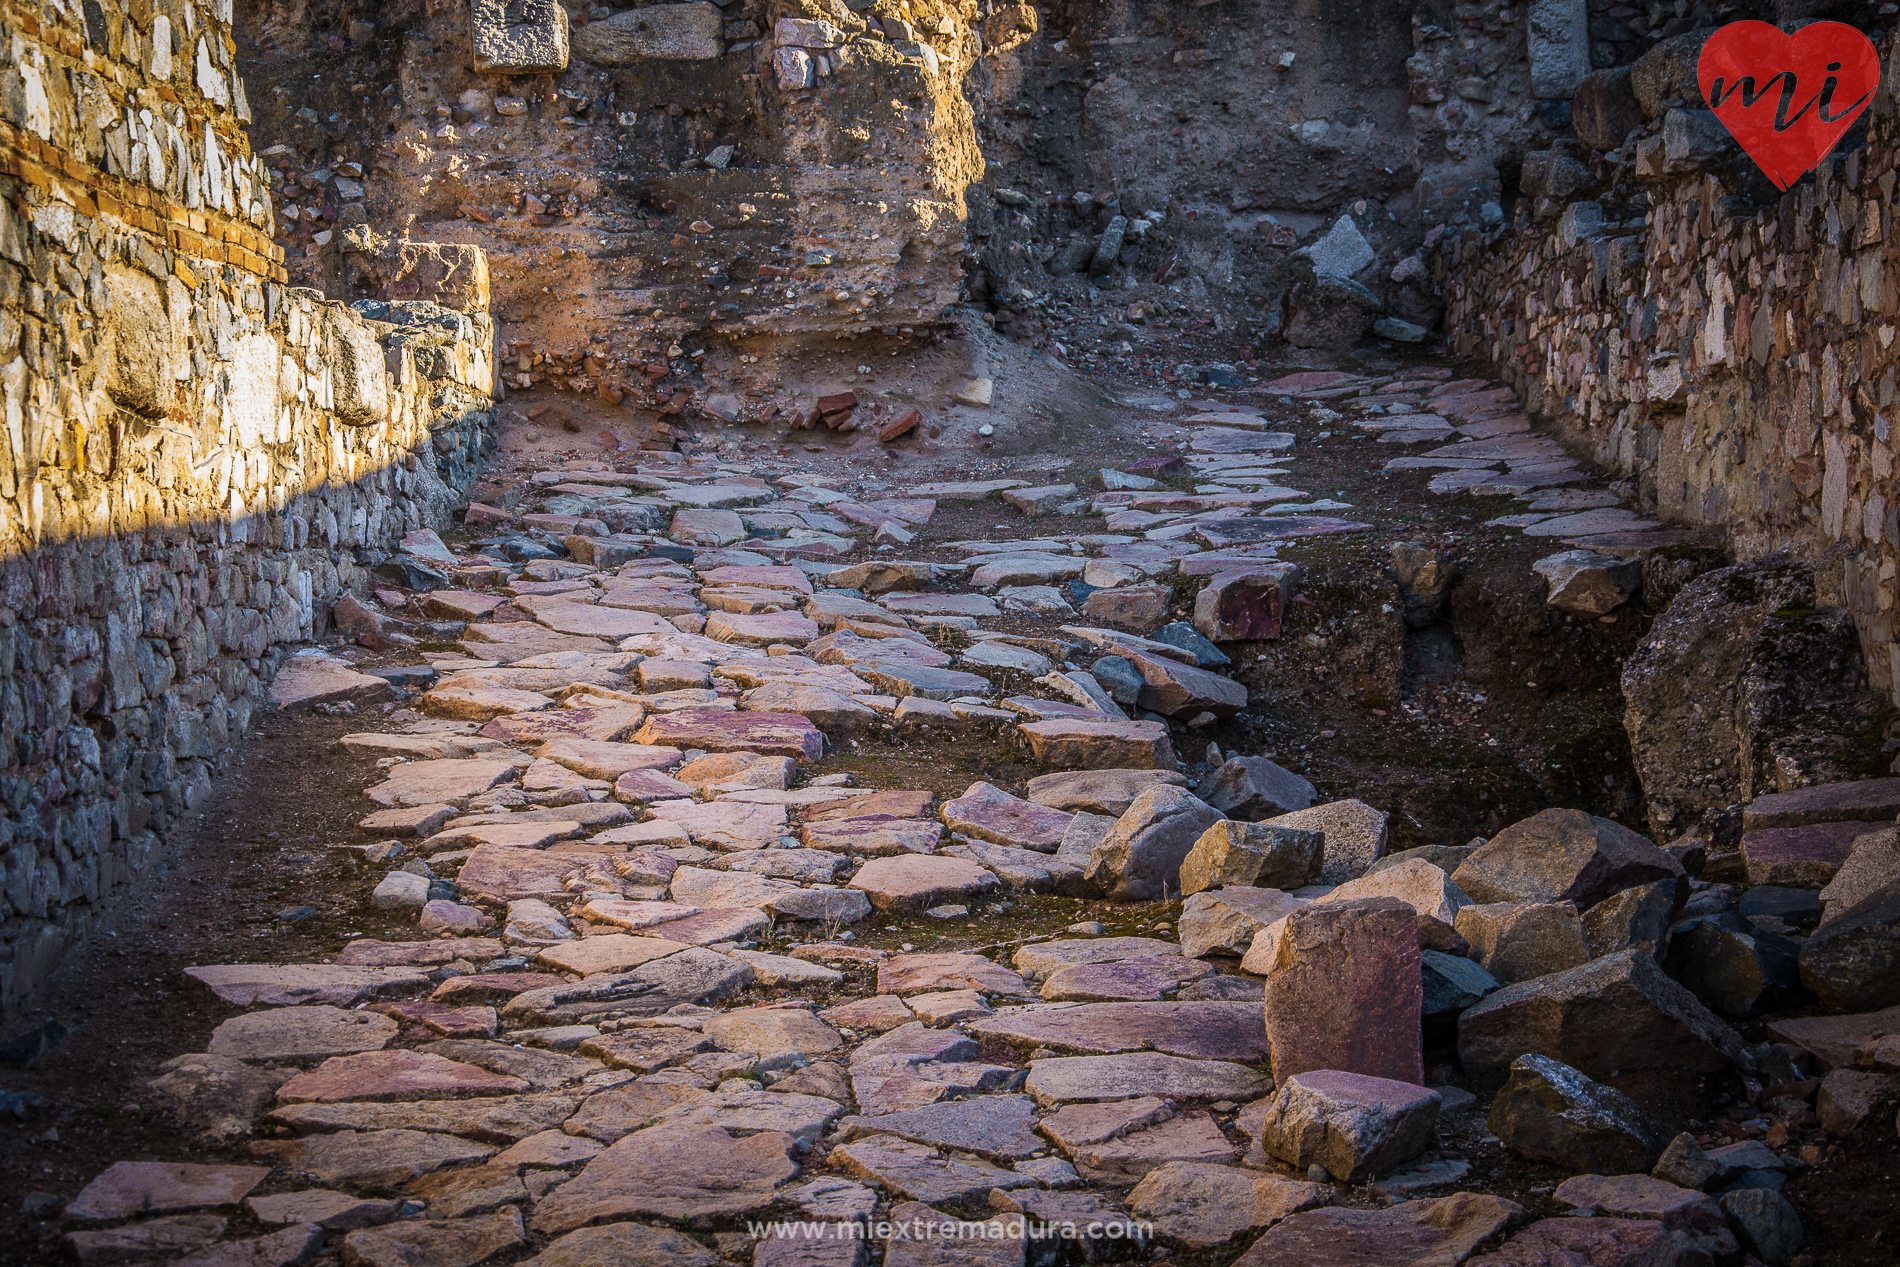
(196,458)
(1729,349)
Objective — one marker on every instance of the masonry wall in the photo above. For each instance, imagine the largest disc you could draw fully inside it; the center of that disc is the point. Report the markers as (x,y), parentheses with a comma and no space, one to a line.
(196,458)
(1734,358)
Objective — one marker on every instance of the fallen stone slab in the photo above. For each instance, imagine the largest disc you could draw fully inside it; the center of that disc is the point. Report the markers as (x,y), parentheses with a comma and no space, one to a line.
(904,680)
(1355,1126)
(1587,583)
(1355,836)
(876,836)
(1062,1079)
(1180,690)
(1562,855)
(1246,602)
(1551,1112)
(918,882)
(1099,745)
(1872,864)
(368,952)
(1644,1197)
(301,1033)
(1805,857)
(1866,800)
(310,678)
(151,1187)
(1411,1234)
(1025,870)
(1836,1041)
(394,1075)
(715,730)
(1097,791)
(1853,961)
(1344,991)
(1615,1014)
(151,1239)
(297,984)
(987,812)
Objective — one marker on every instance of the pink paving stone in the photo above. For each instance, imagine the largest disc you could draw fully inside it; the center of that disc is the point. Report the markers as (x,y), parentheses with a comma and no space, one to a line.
(1197,1031)
(987,812)
(762,630)
(407,820)
(636,787)
(367,952)
(920,974)
(636,916)
(600,760)
(394,1075)
(461,604)
(141,1187)
(450,1022)
(504,873)
(1126,980)
(1310,381)
(710,927)
(766,577)
(1800,857)
(604,724)
(920,881)
(774,734)
(1587,522)
(491,987)
(1345,993)
(873,836)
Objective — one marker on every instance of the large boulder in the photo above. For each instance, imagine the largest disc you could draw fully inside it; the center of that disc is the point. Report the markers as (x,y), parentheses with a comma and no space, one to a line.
(1742,688)
(1562,855)
(1734,967)
(1252,855)
(1517,942)
(1344,991)
(1246,604)
(1355,836)
(659,32)
(1637,917)
(1254,788)
(1550,1112)
(1669,70)
(1329,313)
(1421,886)
(1604,109)
(1108,792)
(1872,864)
(1355,1126)
(1225,920)
(1615,1014)
(1853,961)
(1140,860)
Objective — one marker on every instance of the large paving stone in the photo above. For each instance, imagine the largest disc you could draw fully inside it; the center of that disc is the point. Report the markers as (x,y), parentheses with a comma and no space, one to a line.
(1191,1136)
(695,975)
(922,1173)
(1618,1013)
(624,1245)
(607,952)
(1344,991)
(448,782)
(1199,1031)
(715,730)
(598,760)
(394,1075)
(1099,745)
(1025,870)
(1553,1113)
(297,984)
(1355,836)
(1356,1127)
(436,1242)
(153,1187)
(803,1117)
(1097,791)
(301,1033)
(999,1128)
(379,1158)
(1126,980)
(1200,1206)
(987,812)
(1060,1079)
(606,724)
(905,680)
(645,1050)
(1410,1234)
(925,973)
(495,1119)
(673,1173)
(771,1031)
(1226,920)
(1562,855)
(918,882)
(1140,860)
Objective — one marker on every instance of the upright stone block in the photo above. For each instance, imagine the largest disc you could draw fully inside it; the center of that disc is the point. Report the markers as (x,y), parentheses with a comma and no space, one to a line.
(1344,991)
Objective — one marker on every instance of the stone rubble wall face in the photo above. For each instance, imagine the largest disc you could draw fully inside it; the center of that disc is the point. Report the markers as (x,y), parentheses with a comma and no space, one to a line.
(1737,365)
(195,460)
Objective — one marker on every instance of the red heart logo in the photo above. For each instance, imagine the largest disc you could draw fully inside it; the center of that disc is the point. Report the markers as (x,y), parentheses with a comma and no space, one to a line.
(1788,98)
